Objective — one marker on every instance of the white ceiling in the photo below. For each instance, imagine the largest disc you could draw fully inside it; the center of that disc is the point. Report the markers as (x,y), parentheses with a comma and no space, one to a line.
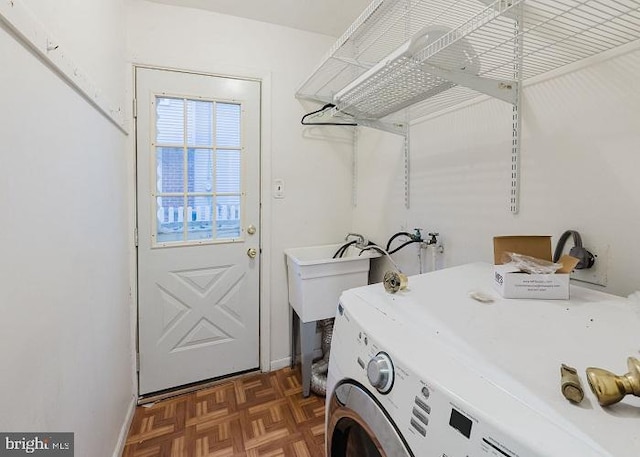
(329,17)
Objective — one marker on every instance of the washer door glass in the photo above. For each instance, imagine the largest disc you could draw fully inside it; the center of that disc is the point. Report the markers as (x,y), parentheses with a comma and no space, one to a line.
(359,427)
(350,439)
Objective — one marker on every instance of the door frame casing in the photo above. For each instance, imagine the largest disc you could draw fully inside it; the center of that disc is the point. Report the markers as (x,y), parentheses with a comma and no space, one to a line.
(264,280)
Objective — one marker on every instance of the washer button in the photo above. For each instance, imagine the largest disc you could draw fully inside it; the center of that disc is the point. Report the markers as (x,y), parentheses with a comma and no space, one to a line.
(424,419)
(425,392)
(418,427)
(419,402)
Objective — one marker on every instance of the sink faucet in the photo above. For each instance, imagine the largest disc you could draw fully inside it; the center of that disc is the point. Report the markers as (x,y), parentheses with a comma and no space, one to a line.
(361,241)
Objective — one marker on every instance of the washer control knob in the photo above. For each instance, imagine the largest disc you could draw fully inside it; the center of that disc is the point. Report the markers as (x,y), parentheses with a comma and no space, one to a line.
(380,372)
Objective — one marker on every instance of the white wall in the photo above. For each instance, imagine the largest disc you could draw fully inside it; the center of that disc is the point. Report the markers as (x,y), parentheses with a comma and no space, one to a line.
(92,33)
(65,334)
(317,173)
(579,171)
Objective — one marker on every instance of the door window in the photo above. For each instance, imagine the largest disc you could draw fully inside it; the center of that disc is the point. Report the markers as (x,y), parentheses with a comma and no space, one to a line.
(351,440)
(198,171)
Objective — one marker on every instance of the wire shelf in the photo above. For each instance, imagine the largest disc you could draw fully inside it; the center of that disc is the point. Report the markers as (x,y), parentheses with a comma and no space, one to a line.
(407,58)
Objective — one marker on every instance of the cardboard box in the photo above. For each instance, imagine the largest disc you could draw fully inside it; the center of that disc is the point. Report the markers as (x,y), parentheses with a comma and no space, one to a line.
(512,283)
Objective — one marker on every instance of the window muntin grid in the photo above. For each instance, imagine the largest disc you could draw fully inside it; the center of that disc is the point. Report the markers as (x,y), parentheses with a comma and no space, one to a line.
(198,188)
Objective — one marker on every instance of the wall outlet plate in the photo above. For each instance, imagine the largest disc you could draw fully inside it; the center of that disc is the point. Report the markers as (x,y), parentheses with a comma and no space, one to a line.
(597,274)
(278,188)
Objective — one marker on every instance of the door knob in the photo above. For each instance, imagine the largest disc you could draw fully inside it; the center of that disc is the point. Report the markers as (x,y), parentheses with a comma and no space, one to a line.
(251,230)
(252,252)
(610,388)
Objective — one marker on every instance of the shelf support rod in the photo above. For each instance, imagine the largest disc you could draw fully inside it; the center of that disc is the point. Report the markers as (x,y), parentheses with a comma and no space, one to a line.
(407,169)
(354,169)
(514,201)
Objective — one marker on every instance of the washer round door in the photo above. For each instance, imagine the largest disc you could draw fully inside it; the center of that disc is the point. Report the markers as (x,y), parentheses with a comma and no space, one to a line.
(358,426)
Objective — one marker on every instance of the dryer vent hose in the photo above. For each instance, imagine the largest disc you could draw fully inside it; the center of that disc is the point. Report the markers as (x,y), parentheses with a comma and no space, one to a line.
(320,368)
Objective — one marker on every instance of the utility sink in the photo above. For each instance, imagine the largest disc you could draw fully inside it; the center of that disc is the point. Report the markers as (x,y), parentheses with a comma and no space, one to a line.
(316,279)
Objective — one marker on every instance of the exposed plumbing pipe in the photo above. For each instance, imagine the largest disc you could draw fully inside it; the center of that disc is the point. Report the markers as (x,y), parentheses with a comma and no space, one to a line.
(320,368)
(434,247)
(430,253)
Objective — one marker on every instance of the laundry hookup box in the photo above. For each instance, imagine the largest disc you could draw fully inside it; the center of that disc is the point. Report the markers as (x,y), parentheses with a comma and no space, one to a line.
(511,282)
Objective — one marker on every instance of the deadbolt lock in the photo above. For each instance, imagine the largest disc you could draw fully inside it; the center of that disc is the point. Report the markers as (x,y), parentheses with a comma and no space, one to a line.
(251,230)
(252,252)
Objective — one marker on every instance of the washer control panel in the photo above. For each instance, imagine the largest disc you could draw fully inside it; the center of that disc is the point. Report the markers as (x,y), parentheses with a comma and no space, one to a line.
(432,420)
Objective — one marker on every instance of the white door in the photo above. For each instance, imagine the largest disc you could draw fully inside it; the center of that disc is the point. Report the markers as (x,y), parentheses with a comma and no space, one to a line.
(198,181)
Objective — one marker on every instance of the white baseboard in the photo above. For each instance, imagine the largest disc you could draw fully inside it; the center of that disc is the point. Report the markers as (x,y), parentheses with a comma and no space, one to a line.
(124,431)
(281,363)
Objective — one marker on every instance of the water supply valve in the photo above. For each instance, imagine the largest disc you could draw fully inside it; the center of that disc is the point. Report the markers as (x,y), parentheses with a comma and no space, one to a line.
(417,236)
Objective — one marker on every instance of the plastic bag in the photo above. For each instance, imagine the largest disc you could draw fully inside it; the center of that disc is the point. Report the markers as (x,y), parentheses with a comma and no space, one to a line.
(532,265)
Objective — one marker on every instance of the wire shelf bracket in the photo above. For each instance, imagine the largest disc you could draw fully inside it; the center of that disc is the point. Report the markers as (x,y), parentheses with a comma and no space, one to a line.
(404,60)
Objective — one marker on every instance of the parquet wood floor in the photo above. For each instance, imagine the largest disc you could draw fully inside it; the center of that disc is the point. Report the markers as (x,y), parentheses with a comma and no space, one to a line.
(257,415)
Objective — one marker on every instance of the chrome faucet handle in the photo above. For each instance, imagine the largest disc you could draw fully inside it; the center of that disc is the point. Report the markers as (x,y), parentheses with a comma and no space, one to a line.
(361,240)
(356,235)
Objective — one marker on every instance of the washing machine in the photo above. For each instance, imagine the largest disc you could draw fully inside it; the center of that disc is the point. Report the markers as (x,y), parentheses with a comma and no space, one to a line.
(432,372)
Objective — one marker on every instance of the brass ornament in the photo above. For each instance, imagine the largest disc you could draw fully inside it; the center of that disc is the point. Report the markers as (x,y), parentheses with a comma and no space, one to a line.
(610,388)
(394,281)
